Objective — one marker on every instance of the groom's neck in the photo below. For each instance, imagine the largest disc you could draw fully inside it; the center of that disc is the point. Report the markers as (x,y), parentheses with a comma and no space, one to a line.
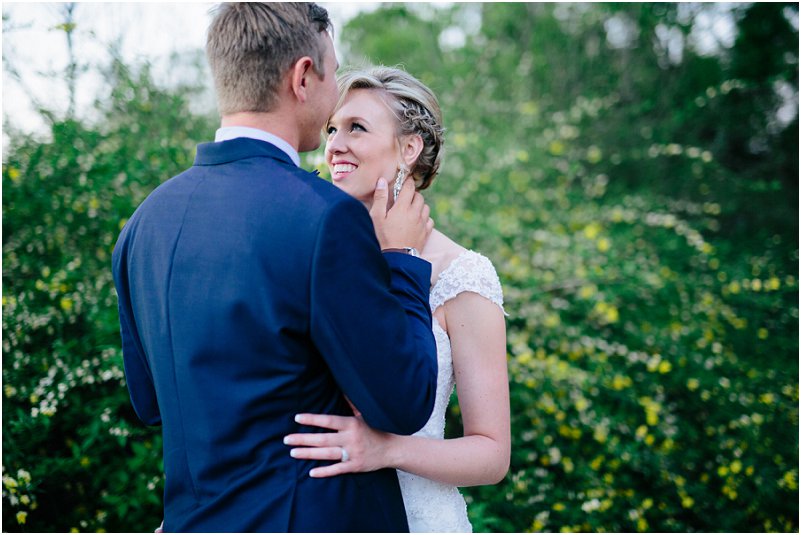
(274,123)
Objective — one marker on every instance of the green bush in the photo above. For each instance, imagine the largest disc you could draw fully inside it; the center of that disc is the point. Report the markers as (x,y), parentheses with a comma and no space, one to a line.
(649,274)
(74,454)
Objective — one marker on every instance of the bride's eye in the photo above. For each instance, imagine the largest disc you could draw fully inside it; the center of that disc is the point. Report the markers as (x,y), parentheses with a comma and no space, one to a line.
(357,126)
(330,130)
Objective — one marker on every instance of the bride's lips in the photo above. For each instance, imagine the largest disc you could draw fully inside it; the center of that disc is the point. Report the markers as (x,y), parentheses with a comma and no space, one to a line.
(341,169)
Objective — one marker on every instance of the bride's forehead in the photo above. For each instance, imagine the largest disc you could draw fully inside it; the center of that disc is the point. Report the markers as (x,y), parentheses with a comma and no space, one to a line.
(373,102)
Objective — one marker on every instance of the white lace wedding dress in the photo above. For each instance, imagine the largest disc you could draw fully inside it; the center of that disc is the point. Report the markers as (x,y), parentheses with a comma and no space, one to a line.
(433,506)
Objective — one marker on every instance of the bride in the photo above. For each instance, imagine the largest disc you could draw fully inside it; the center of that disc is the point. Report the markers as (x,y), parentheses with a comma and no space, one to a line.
(388,124)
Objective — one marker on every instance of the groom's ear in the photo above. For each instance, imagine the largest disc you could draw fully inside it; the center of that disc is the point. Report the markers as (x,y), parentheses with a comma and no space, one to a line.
(411,147)
(299,78)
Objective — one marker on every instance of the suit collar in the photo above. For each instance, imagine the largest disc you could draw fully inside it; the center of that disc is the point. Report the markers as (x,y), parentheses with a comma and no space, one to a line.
(238,149)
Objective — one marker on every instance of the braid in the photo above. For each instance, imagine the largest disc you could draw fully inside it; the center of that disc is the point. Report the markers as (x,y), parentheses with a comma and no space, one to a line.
(416,119)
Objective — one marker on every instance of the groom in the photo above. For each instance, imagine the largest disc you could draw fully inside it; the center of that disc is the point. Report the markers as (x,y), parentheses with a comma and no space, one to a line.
(251,291)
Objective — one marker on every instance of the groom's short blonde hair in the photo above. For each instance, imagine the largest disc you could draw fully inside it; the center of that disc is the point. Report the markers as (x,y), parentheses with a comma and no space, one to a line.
(251,46)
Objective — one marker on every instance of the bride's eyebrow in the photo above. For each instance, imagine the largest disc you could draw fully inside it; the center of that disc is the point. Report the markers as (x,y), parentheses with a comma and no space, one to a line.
(353,119)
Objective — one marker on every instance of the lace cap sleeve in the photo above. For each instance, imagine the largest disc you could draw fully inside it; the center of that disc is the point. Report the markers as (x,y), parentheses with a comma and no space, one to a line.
(469,272)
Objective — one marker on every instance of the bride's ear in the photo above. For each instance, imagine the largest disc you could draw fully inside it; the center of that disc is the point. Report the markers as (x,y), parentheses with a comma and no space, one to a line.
(411,147)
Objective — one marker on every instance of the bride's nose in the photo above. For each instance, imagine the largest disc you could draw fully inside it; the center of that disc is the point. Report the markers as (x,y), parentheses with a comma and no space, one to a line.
(335,144)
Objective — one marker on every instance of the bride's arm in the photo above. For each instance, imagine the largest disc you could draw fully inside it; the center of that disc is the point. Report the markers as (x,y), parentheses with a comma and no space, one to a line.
(477,332)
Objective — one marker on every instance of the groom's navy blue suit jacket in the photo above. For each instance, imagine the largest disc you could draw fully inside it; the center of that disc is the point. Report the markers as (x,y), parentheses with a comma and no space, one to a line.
(251,291)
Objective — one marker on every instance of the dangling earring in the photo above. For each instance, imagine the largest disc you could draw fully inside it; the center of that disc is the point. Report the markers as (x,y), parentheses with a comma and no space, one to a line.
(398,183)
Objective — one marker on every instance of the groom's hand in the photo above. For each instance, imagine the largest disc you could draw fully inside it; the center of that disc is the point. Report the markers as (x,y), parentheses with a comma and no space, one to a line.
(407,223)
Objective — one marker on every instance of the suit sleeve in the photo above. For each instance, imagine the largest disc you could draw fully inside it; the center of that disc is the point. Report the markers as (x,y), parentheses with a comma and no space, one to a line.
(371,322)
(137,370)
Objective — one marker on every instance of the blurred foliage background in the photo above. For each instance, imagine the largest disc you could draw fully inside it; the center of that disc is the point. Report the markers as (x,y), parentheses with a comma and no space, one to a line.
(637,192)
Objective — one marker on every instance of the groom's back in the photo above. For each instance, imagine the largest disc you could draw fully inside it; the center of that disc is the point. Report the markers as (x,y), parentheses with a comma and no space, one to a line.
(217,264)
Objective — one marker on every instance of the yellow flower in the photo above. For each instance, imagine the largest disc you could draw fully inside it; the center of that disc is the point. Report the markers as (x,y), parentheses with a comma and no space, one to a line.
(529,108)
(767,399)
(66,304)
(557,148)
(620,382)
(22,516)
(642,525)
(651,417)
(773,283)
(736,466)
(723,471)
(595,464)
(762,333)
(586,292)
(609,313)
(13,173)
(24,499)
(530,382)
(789,480)
(687,502)
(558,506)
(85,461)
(567,463)
(594,154)
(693,384)
(603,245)
(641,431)
(551,320)
(592,230)
(665,367)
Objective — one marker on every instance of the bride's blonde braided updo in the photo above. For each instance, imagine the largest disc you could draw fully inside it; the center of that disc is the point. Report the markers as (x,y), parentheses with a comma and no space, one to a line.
(415,107)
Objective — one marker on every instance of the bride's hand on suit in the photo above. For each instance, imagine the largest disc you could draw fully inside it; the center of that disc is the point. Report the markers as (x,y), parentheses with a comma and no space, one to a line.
(367,449)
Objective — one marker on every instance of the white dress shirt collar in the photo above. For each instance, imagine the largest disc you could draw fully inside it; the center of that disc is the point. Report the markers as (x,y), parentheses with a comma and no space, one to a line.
(226,133)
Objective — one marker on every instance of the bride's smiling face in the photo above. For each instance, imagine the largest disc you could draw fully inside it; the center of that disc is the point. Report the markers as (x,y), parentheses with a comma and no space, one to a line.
(362,145)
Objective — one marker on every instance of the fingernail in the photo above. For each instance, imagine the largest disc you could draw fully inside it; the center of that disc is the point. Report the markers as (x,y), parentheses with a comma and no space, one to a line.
(286,441)
(297,418)
(382,184)
(293,453)
(313,472)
